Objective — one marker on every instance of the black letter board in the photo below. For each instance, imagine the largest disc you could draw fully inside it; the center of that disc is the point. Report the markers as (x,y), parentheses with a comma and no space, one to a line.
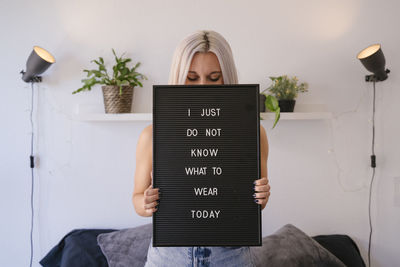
(206,155)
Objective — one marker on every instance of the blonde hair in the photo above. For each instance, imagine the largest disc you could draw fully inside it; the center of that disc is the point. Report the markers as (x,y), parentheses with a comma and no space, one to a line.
(202,41)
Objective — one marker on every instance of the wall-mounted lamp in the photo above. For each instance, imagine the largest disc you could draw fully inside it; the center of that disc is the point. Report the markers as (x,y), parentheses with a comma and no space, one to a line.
(373,60)
(38,62)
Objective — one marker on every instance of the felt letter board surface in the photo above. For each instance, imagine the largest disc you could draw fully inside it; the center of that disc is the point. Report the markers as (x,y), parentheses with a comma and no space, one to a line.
(206,156)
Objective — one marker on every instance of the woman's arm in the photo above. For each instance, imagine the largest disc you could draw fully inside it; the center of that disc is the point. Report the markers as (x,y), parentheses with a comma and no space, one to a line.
(144,196)
(262,185)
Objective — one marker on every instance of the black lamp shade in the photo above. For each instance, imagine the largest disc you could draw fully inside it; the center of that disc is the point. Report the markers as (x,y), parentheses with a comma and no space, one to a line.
(373,60)
(38,62)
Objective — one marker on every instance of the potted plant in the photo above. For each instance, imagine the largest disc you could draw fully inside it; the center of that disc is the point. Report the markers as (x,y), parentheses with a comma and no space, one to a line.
(117,88)
(286,89)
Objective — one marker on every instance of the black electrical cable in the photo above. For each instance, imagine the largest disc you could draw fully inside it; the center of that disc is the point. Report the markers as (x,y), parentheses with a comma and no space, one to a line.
(373,165)
(32,165)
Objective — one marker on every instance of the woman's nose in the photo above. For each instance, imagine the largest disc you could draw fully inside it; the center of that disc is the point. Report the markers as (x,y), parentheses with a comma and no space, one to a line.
(202,80)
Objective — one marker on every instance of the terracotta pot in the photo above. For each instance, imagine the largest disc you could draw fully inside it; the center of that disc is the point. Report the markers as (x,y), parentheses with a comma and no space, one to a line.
(116,103)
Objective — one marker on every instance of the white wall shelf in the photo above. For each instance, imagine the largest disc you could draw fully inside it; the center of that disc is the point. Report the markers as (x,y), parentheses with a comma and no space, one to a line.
(83,113)
(114,117)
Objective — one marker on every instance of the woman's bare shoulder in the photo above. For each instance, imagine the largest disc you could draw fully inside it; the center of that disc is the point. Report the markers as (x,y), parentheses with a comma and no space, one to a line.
(148,129)
(147,133)
(262,129)
(146,136)
(263,135)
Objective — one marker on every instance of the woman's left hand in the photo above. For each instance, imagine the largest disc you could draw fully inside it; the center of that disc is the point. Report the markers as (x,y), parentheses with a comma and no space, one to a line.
(261,188)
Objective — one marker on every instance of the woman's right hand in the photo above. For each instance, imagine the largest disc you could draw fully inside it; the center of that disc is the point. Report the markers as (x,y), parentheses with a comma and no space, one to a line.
(151,195)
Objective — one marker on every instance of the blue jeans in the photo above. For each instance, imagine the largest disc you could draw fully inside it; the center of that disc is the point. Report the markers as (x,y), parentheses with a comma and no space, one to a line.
(198,256)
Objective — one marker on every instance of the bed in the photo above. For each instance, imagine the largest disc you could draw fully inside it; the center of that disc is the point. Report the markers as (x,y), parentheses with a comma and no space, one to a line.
(289,246)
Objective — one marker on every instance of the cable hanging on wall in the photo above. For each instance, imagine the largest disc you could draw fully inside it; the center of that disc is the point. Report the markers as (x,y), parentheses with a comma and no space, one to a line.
(333,151)
(373,165)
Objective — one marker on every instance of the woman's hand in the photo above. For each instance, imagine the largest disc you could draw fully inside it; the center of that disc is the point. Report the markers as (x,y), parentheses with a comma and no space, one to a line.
(262,194)
(151,195)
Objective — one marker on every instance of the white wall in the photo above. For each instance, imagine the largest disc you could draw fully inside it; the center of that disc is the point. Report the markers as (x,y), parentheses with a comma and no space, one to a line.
(319,170)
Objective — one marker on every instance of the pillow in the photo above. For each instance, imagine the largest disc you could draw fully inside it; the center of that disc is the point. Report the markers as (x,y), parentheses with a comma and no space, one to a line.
(126,247)
(289,246)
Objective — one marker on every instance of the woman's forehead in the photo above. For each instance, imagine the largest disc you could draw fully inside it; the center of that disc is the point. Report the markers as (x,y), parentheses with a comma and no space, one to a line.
(206,62)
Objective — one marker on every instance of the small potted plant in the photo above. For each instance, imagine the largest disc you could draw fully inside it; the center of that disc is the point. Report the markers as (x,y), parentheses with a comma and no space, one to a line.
(117,88)
(286,89)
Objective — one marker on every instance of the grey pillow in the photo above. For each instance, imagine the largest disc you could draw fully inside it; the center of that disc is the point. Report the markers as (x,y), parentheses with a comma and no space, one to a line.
(288,246)
(126,247)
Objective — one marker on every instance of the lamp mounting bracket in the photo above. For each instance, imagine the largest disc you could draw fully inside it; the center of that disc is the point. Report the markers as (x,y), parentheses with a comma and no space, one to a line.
(35,79)
(373,77)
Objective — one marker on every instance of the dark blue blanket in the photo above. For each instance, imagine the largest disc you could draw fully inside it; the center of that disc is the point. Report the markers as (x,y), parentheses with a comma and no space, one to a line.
(77,248)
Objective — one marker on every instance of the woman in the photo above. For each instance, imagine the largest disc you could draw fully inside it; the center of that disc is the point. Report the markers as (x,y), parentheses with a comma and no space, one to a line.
(203,57)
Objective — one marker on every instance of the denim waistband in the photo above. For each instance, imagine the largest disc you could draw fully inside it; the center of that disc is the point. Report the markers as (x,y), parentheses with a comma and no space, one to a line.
(198,256)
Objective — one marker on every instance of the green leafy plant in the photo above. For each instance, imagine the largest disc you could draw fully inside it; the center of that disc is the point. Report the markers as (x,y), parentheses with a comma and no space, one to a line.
(271,103)
(286,88)
(122,74)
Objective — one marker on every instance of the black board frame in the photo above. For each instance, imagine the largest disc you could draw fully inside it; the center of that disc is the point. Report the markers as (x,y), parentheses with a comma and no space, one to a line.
(257,102)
